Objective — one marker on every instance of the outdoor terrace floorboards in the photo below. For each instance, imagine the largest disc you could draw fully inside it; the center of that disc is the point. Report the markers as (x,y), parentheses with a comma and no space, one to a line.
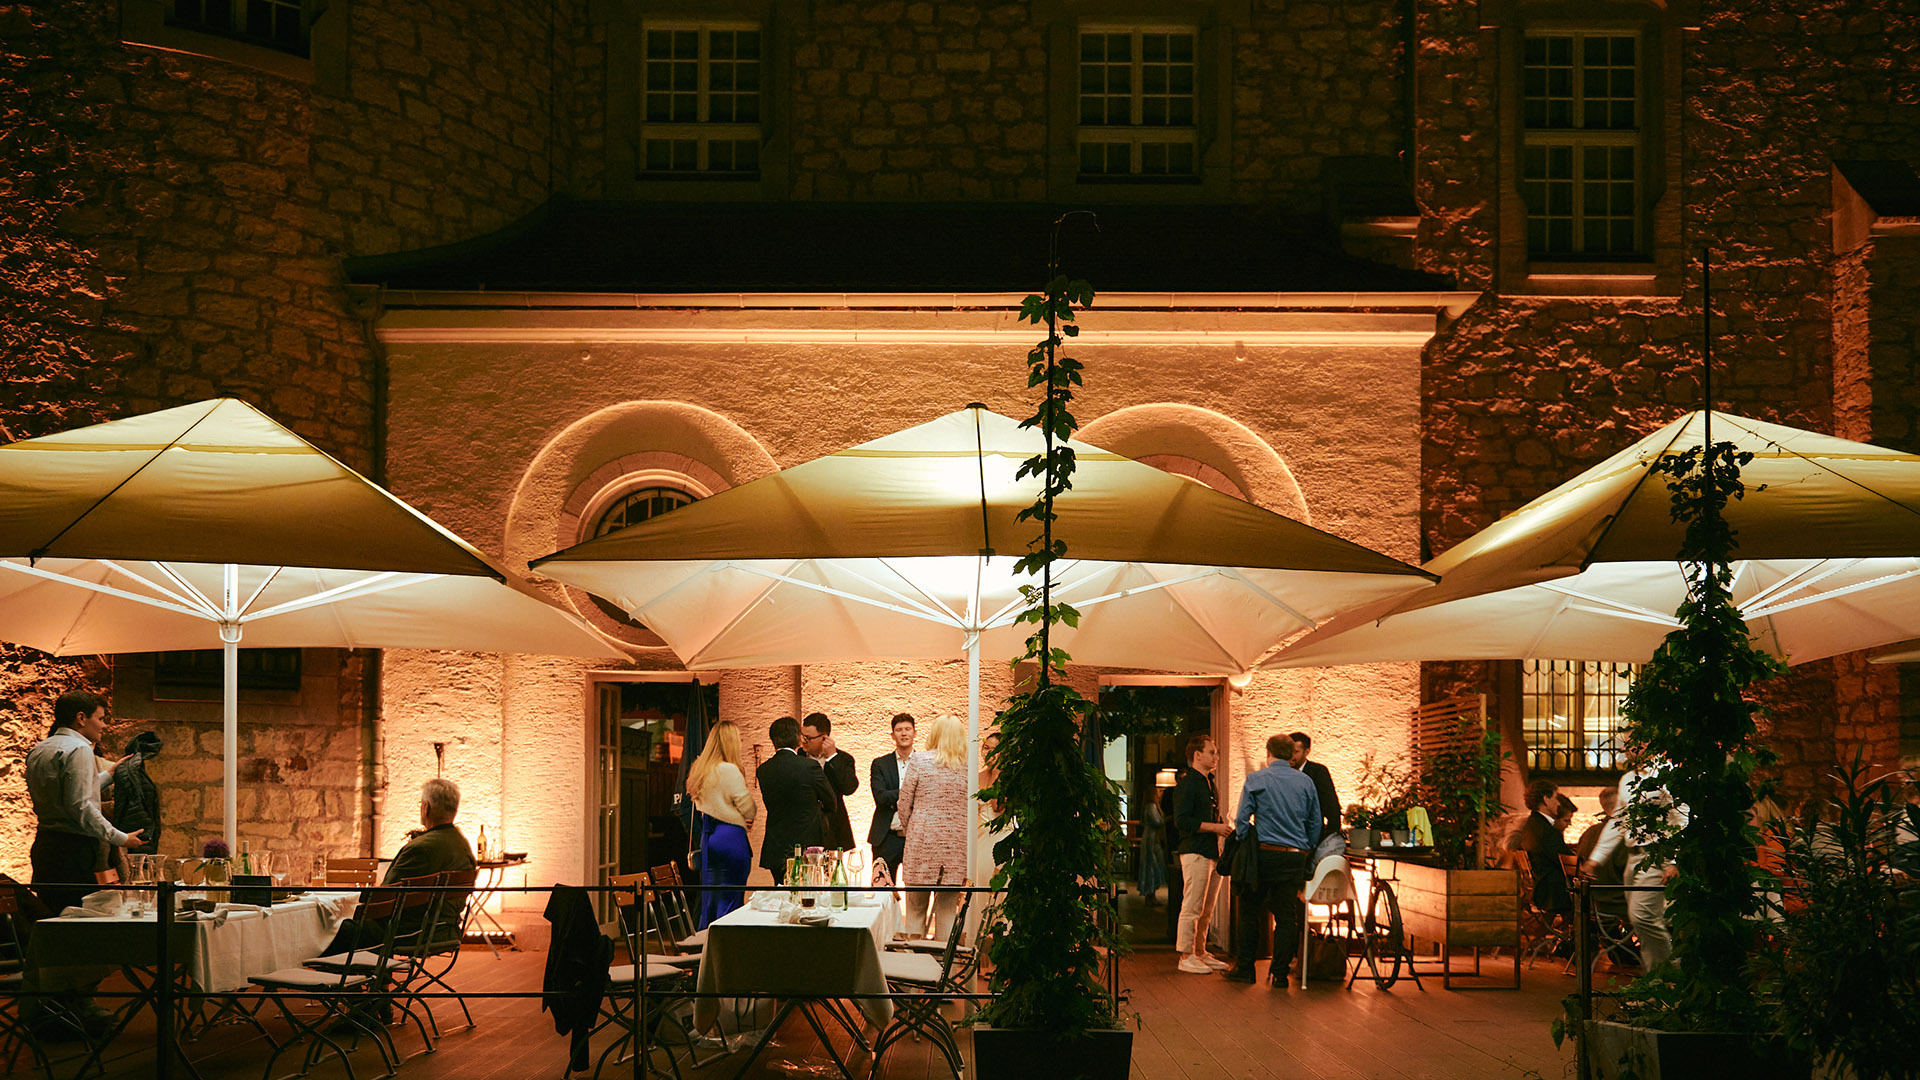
(1194,1027)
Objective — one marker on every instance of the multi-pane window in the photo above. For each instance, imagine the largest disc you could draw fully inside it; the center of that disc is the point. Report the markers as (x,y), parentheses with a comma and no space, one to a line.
(1570,714)
(1137,104)
(277,24)
(1581,155)
(701,100)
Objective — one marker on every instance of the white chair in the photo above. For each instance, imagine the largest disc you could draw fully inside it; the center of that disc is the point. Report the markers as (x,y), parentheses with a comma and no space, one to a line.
(1331,888)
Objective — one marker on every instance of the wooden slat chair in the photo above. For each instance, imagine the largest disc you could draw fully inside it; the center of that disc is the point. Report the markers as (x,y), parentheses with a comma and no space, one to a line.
(352,873)
(344,996)
(672,924)
(662,976)
(403,966)
(921,983)
(15,1033)
(443,951)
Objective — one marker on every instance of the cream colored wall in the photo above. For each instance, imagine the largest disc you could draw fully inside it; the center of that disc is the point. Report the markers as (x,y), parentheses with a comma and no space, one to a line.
(492,438)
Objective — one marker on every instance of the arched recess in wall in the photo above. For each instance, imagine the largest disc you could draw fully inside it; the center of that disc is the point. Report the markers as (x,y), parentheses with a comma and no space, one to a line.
(1216,450)
(602,459)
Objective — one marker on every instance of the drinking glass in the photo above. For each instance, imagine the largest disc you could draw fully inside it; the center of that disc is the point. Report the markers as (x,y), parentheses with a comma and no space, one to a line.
(856,862)
(299,871)
(276,866)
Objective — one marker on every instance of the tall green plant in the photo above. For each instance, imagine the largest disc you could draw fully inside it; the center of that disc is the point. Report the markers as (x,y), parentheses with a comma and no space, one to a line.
(1461,786)
(1689,717)
(1052,926)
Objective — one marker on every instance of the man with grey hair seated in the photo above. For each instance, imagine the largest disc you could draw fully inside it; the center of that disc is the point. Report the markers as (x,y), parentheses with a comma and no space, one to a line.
(437,848)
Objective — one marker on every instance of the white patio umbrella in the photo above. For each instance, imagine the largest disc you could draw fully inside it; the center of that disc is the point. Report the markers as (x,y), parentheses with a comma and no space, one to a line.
(194,527)
(1827,562)
(904,547)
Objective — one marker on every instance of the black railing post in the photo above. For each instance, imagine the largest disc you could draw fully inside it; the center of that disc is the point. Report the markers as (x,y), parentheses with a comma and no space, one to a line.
(1583,913)
(163,1005)
(645,907)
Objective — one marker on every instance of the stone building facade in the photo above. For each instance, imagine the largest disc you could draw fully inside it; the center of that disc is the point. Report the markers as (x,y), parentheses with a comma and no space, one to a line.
(363,236)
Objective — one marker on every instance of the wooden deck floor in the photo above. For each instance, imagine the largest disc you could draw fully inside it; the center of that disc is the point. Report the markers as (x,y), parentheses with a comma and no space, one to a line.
(1193,1027)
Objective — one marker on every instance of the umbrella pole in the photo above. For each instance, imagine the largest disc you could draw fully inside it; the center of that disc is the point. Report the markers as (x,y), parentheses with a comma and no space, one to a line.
(973,751)
(230,684)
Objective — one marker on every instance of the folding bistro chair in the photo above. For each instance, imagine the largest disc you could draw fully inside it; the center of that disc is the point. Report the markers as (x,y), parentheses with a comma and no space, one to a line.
(920,985)
(441,949)
(672,924)
(14,1030)
(1541,932)
(641,1034)
(404,962)
(343,996)
(966,958)
(353,873)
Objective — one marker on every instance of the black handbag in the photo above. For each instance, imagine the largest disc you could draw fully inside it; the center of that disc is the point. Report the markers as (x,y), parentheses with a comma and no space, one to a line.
(1240,860)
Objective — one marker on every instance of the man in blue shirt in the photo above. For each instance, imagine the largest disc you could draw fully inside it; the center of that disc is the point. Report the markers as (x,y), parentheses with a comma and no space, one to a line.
(1283,809)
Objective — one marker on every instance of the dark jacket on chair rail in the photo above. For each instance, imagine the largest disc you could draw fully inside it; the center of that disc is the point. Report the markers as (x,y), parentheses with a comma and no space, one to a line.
(577,961)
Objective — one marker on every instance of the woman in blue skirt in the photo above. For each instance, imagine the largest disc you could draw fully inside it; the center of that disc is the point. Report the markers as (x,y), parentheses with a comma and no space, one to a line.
(726,808)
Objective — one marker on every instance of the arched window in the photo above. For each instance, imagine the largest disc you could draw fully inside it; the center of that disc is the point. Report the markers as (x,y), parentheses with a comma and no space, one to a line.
(628,501)
(636,506)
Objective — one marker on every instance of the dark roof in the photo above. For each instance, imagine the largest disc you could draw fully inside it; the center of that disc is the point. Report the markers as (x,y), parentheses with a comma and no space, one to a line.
(888,247)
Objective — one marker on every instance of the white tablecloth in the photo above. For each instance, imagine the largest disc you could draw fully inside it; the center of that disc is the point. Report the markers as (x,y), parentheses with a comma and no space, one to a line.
(752,952)
(221,953)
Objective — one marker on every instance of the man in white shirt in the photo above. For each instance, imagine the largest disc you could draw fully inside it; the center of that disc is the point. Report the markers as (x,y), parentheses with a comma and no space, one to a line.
(1646,911)
(64,779)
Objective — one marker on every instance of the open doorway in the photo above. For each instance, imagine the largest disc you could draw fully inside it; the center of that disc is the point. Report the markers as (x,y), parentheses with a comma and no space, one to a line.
(1154,721)
(639,754)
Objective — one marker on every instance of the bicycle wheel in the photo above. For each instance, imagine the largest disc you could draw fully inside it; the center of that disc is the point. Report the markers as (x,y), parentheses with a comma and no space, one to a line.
(1384,950)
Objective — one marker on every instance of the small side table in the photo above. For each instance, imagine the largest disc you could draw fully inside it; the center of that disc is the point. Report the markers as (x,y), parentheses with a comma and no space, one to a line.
(493,874)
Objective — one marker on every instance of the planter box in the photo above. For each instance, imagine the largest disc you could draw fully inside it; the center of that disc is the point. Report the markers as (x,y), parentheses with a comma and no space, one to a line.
(1019,1053)
(1455,909)
(1621,1051)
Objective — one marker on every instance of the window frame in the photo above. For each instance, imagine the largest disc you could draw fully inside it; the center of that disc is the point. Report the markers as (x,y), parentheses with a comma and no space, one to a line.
(1579,138)
(1537,760)
(1213,23)
(1136,133)
(324,30)
(625,23)
(1657,267)
(702,131)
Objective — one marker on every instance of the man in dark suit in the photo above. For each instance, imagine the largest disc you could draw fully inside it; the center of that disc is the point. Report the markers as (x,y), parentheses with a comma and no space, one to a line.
(1544,845)
(884,777)
(843,776)
(1322,784)
(794,790)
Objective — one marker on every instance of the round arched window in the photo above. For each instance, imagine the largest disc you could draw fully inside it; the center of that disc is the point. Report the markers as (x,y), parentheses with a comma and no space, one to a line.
(638,505)
(631,507)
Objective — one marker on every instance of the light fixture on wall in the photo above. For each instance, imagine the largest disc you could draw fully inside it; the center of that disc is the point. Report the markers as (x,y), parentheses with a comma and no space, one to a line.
(1240,680)
(1165,778)
(439,759)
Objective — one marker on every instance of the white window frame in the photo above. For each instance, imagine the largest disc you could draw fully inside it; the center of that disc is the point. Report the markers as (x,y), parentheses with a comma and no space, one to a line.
(1579,139)
(701,131)
(1135,133)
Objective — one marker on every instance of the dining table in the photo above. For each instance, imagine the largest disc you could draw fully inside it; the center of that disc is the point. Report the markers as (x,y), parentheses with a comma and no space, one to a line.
(213,952)
(757,951)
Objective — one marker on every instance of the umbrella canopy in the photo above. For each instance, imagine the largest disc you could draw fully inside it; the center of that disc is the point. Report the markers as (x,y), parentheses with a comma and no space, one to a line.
(193,527)
(1828,561)
(904,547)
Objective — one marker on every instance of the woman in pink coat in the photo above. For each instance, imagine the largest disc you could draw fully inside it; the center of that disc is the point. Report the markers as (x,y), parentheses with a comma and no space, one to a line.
(934,799)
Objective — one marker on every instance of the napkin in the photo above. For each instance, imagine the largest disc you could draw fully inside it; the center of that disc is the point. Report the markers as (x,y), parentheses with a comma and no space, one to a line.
(105,903)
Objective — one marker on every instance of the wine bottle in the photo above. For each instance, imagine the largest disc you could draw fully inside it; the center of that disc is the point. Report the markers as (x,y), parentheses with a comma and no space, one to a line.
(838,896)
(480,848)
(246,857)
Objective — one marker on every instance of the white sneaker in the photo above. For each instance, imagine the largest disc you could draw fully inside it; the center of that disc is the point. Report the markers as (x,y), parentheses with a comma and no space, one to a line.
(1193,965)
(1215,962)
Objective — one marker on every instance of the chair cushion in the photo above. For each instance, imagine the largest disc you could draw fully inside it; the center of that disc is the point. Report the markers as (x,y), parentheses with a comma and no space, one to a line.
(695,940)
(307,979)
(909,967)
(622,974)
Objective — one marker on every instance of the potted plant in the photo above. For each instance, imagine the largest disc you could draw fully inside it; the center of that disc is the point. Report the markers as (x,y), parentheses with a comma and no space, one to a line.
(1690,716)
(1052,930)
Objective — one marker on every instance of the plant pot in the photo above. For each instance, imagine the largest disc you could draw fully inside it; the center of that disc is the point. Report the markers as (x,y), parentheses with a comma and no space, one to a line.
(1457,909)
(1017,1053)
(1621,1051)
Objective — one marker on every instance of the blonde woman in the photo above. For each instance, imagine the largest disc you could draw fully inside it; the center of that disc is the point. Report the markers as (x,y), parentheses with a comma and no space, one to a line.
(725,808)
(933,811)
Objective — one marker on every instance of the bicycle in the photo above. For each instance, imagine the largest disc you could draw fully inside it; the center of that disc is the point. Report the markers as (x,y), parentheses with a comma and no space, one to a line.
(1383,936)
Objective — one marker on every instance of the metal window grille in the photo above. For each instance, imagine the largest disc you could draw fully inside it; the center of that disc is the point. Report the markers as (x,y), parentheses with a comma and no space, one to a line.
(1138,103)
(276,24)
(701,101)
(1570,714)
(1581,156)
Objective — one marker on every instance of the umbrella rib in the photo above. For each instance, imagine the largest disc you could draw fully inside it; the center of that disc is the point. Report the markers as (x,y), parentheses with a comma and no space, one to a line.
(915,612)
(1609,606)
(124,481)
(271,575)
(353,590)
(1018,604)
(1613,519)
(187,594)
(94,586)
(1268,597)
(1829,595)
(1798,581)
(933,603)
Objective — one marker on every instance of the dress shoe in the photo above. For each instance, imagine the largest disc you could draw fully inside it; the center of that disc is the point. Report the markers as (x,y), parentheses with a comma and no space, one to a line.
(1239,975)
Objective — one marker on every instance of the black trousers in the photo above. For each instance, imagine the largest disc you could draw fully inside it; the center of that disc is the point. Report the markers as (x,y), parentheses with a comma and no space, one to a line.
(893,849)
(63,867)
(1282,875)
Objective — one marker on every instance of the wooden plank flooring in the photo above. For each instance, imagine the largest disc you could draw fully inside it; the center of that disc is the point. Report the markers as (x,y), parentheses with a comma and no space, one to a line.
(1193,1027)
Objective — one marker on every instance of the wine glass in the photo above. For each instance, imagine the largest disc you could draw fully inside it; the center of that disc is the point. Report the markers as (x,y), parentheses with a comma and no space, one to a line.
(856,859)
(276,866)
